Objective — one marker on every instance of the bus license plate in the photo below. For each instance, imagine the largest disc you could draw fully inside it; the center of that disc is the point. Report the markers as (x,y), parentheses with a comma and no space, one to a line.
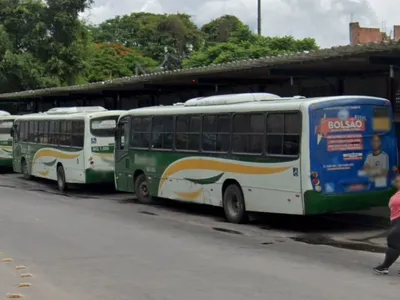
(356,187)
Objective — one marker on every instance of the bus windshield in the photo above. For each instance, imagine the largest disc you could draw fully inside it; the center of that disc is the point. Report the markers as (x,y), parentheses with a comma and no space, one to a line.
(103,127)
(353,148)
(5,126)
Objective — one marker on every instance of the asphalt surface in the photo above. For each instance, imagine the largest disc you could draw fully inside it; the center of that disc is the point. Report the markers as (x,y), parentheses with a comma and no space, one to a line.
(107,247)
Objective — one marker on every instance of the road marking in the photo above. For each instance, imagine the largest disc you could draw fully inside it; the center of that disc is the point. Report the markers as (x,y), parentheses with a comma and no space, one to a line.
(26,275)
(7,260)
(20,267)
(15,296)
(24,284)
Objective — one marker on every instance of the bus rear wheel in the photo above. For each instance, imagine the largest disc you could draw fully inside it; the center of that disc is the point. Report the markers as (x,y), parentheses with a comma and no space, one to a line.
(234,206)
(25,170)
(142,189)
(61,179)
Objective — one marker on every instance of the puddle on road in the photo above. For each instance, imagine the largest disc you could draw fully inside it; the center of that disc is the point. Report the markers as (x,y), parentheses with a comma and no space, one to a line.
(144,212)
(267,243)
(225,230)
(325,241)
(8,186)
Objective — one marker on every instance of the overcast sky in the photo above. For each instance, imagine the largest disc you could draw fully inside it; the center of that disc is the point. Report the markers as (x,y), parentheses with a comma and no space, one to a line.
(325,20)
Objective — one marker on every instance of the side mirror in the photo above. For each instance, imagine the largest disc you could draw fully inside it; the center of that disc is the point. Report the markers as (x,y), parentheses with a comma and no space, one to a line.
(12,131)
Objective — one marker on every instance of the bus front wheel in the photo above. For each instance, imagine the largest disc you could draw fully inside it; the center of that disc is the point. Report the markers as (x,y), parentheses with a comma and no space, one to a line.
(142,189)
(61,179)
(25,170)
(234,206)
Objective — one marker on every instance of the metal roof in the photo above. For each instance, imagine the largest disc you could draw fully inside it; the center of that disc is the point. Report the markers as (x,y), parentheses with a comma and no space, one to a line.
(271,61)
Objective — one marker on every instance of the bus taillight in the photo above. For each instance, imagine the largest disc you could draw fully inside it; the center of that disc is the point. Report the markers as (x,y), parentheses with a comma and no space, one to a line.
(315,181)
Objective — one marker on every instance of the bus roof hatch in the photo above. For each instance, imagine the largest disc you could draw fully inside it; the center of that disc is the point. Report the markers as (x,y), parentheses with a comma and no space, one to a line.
(75,110)
(231,99)
(4,113)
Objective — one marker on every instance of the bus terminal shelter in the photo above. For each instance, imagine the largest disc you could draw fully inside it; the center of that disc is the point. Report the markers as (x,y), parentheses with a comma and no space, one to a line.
(371,69)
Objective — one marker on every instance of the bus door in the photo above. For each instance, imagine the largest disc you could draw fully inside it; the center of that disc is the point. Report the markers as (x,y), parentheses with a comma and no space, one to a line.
(16,147)
(353,148)
(123,172)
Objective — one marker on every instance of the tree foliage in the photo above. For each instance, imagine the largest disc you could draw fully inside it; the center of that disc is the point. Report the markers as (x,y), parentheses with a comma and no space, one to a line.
(228,39)
(111,60)
(223,29)
(150,33)
(45,44)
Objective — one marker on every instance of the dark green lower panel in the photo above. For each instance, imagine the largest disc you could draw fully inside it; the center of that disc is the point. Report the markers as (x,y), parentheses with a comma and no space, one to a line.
(6,162)
(317,203)
(96,176)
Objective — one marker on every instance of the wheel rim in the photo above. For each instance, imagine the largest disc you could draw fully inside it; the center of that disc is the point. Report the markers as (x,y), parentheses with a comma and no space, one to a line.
(143,190)
(233,204)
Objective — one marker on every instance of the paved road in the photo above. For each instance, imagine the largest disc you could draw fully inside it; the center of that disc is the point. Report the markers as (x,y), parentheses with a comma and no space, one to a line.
(105,249)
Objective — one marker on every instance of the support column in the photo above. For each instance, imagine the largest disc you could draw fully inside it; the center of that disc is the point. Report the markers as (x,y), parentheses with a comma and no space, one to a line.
(340,86)
(117,102)
(392,88)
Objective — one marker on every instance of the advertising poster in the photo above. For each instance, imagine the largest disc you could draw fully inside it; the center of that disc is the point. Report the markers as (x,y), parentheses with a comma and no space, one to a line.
(352,148)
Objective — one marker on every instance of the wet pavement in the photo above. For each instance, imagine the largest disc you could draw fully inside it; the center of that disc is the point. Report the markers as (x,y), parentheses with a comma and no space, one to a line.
(365,231)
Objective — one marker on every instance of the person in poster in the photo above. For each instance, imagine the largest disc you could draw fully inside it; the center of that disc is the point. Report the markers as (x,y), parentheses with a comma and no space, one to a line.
(376,165)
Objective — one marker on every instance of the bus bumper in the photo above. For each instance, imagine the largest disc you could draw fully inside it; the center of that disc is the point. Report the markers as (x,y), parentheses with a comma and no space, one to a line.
(99,176)
(317,203)
(6,162)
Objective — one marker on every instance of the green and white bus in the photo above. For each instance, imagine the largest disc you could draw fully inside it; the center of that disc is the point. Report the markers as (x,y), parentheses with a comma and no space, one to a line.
(261,153)
(6,123)
(71,145)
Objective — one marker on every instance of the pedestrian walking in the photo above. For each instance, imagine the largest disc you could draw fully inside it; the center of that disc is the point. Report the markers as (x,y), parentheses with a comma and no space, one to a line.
(393,238)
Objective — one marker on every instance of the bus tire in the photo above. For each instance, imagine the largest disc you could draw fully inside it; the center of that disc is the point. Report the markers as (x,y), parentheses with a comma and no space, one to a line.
(142,189)
(234,206)
(25,170)
(61,184)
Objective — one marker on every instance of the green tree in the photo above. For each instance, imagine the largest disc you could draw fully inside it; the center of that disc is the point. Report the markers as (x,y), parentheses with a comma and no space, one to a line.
(150,33)
(222,29)
(254,47)
(110,60)
(42,44)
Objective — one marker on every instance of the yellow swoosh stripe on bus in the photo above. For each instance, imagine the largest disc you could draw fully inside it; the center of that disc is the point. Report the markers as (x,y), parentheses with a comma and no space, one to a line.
(105,155)
(190,195)
(212,165)
(44,173)
(7,149)
(53,153)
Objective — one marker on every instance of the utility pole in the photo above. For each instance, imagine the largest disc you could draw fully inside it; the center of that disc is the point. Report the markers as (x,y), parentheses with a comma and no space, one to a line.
(259,17)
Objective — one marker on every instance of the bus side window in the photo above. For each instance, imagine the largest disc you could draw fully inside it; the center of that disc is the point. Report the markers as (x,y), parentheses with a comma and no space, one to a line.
(140,137)
(41,132)
(24,131)
(45,132)
(248,133)
(291,141)
(78,133)
(283,133)
(162,132)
